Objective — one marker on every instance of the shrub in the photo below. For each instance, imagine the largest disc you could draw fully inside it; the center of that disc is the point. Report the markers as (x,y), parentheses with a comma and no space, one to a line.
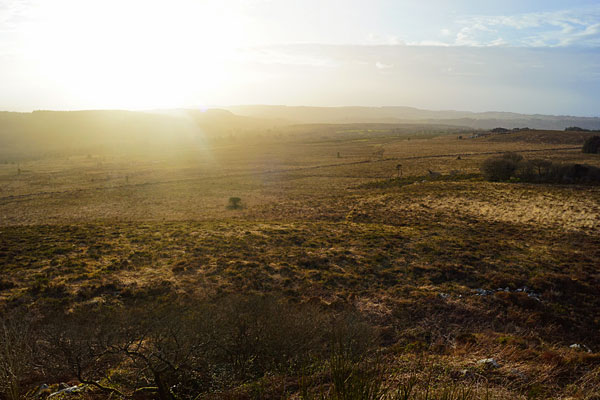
(574,173)
(591,145)
(512,167)
(235,203)
(498,168)
(16,355)
(356,380)
(540,167)
(512,156)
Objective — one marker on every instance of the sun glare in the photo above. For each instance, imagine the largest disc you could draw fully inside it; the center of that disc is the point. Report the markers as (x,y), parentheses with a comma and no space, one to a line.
(154,54)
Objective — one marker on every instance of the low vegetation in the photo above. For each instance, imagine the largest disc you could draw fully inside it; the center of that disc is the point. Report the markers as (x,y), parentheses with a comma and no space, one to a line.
(235,203)
(406,276)
(169,349)
(592,145)
(512,166)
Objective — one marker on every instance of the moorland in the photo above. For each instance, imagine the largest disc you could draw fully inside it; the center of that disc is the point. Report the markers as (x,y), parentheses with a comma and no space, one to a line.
(361,261)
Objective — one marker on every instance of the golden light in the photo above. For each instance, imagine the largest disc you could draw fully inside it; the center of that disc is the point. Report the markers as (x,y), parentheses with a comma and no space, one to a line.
(152,53)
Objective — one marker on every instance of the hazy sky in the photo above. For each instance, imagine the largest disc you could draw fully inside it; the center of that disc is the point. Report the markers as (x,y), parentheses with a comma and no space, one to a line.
(540,56)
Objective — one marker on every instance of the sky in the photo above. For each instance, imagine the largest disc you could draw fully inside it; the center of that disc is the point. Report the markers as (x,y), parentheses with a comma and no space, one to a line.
(529,56)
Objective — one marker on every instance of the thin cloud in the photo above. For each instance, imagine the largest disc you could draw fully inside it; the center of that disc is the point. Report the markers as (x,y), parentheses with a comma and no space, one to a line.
(385,40)
(380,65)
(284,55)
(577,27)
(13,13)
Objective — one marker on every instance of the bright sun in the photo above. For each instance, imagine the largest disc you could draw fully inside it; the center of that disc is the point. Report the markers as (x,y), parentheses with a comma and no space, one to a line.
(152,53)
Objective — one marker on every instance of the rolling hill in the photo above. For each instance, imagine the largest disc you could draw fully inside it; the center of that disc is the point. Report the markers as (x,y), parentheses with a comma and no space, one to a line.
(485,120)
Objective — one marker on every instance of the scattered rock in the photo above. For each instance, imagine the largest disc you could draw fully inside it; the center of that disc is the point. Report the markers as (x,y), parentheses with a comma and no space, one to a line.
(67,390)
(578,346)
(489,363)
(462,374)
(517,373)
(466,373)
(524,289)
(43,389)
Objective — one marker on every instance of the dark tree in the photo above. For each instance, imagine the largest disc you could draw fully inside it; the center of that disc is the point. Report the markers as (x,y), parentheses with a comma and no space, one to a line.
(541,167)
(592,145)
(498,168)
(235,203)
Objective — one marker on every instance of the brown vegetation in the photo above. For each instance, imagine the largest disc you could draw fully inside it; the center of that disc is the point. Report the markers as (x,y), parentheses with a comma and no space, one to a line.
(337,279)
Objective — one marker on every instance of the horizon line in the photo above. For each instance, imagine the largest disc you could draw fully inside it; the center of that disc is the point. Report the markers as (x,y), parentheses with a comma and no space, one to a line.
(224,107)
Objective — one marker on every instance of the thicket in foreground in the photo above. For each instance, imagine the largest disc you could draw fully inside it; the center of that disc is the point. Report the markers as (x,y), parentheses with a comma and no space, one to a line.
(173,351)
(233,347)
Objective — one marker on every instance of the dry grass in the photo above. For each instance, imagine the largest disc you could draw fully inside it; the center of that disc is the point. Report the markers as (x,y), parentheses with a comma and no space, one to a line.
(106,229)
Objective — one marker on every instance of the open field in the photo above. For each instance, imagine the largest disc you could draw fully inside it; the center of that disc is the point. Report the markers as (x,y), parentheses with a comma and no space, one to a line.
(421,260)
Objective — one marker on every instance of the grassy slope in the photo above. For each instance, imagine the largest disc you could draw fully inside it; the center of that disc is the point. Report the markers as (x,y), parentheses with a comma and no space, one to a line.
(408,256)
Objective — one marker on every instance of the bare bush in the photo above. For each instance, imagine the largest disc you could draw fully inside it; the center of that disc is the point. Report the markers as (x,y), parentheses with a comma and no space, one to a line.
(179,349)
(16,354)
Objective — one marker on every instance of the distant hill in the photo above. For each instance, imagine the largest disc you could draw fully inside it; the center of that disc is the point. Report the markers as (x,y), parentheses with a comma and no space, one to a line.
(485,120)
(50,132)
(543,136)
(355,130)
